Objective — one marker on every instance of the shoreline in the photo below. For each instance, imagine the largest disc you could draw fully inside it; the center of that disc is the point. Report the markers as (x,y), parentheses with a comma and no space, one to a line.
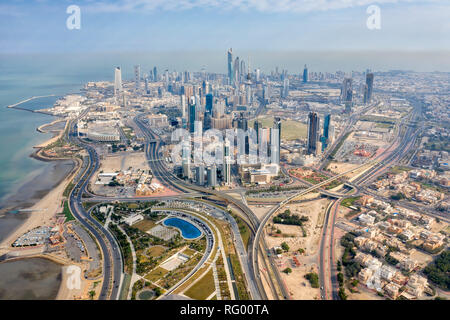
(44,210)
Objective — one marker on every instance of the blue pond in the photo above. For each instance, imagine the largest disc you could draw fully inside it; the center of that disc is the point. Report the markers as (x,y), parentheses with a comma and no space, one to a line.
(188,230)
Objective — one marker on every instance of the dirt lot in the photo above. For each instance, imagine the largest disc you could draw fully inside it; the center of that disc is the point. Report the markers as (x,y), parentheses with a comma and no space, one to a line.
(260,210)
(293,235)
(124,162)
(340,167)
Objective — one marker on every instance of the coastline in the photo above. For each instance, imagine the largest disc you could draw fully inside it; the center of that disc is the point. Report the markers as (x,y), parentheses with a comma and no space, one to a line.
(44,210)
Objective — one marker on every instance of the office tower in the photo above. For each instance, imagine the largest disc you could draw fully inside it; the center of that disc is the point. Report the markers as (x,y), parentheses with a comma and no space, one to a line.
(227,163)
(256,126)
(117,81)
(313,133)
(258,75)
(150,75)
(186,160)
(230,66)
(166,76)
(200,175)
(275,141)
(192,114)
(209,103)
(219,109)
(242,68)
(211,175)
(147,91)
(305,74)
(347,94)
(183,110)
(137,77)
(236,72)
(326,132)
(155,74)
(263,145)
(285,92)
(249,95)
(368,88)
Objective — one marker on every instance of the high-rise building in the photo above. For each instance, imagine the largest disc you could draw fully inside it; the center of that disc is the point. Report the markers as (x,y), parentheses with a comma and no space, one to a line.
(209,103)
(236,72)
(285,92)
(192,114)
(256,126)
(137,77)
(305,74)
(230,66)
(326,132)
(117,82)
(242,72)
(258,75)
(155,74)
(186,160)
(275,141)
(368,87)
(211,175)
(147,91)
(313,133)
(200,175)
(226,163)
(347,94)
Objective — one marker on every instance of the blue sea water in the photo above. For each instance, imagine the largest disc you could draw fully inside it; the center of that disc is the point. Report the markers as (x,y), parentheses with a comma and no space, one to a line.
(188,230)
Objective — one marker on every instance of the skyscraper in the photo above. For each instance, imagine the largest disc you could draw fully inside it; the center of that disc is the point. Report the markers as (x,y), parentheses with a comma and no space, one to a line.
(117,82)
(275,141)
(305,74)
(368,88)
(347,94)
(230,66)
(183,111)
(211,174)
(155,74)
(209,103)
(326,132)
(147,91)
(256,126)
(192,114)
(236,72)
(137,77)
(313,133)
(226,163)
(285,92)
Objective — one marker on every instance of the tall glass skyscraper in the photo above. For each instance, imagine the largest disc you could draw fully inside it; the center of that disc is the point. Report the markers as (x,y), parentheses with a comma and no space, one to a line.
(117,81)
(313,133)
(326,132)
(230,66)
(137,77)
(192,114)
(305,74)
(368,88)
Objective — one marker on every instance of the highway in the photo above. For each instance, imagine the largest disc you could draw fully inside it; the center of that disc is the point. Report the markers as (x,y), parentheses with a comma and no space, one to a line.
(112,258)
(171,181)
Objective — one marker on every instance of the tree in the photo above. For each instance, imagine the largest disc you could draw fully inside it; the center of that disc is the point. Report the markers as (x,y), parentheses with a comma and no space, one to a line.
(285,246)
(287,270)
(342,294)
(92,294)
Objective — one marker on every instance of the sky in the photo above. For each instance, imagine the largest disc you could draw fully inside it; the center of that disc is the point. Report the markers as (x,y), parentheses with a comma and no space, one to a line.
(39,26)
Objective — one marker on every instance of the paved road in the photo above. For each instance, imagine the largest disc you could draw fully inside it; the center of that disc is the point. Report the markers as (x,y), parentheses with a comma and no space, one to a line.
(112,259)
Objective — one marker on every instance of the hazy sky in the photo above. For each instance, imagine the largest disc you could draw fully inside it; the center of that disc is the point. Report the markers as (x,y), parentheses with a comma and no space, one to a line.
(34,26)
